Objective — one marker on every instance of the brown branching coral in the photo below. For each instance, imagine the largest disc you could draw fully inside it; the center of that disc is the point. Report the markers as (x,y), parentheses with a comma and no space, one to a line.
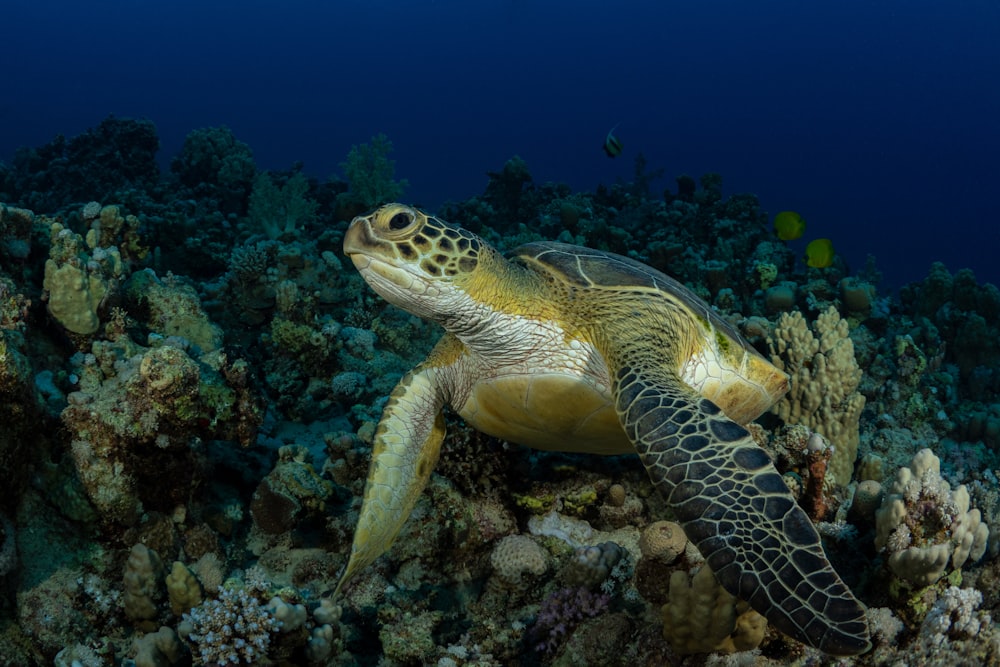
(823,392)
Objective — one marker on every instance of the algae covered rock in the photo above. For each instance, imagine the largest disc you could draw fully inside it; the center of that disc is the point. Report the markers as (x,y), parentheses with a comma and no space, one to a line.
(137,414)
(172,308)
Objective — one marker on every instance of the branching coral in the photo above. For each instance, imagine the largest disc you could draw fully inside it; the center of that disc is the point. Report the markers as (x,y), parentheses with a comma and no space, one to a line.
(824,384)
(701,617)
(236,627)
(925,526)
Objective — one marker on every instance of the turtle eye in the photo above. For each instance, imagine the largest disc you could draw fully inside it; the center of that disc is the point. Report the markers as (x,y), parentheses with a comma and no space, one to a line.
(400,221)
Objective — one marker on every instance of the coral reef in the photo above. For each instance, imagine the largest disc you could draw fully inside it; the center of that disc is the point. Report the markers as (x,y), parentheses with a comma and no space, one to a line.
(190,379)
(117,155)
(136,414)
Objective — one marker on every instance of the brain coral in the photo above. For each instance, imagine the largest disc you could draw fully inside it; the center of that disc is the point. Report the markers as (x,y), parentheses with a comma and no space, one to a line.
(516,556)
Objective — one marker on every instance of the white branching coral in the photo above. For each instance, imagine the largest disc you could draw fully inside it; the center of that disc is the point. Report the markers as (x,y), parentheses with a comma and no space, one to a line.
(232,629)
(955,615)
(926,527)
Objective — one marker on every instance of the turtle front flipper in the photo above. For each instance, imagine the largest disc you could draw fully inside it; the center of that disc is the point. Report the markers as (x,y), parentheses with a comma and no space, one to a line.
(736,509)
(405,451)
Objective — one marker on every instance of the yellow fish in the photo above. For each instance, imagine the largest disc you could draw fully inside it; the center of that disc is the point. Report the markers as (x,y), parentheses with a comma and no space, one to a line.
(819,253)
(612,145)
(789,225)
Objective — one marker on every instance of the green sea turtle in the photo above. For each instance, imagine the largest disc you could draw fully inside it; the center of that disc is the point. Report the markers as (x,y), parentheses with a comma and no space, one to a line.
(566,348)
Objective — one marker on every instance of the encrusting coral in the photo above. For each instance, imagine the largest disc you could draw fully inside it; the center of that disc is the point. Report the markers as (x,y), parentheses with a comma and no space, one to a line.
(823,393)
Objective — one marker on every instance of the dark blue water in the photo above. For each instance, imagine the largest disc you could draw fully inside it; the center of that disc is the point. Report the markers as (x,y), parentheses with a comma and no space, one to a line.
(877,121)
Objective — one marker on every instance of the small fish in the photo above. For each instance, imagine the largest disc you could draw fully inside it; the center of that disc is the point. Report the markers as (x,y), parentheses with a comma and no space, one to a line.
(612,146)
(789,225)
(819,253)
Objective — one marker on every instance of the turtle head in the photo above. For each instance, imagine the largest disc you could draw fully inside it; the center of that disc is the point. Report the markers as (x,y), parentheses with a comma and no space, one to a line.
(412,259)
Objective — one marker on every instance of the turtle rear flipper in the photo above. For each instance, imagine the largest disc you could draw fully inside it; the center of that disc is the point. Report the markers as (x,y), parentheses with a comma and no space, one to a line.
(736,509)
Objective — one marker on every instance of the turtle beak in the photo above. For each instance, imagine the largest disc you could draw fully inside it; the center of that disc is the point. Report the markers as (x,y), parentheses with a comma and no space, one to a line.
(358,239)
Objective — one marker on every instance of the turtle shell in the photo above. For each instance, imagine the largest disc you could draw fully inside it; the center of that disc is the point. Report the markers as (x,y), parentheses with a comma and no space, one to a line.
(739,379)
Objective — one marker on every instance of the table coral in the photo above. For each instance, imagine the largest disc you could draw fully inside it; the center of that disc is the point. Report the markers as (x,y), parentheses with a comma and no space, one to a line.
(823,393)
(926,527)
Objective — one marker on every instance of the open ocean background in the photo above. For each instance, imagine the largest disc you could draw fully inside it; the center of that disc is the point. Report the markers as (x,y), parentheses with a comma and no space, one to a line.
(877,121)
